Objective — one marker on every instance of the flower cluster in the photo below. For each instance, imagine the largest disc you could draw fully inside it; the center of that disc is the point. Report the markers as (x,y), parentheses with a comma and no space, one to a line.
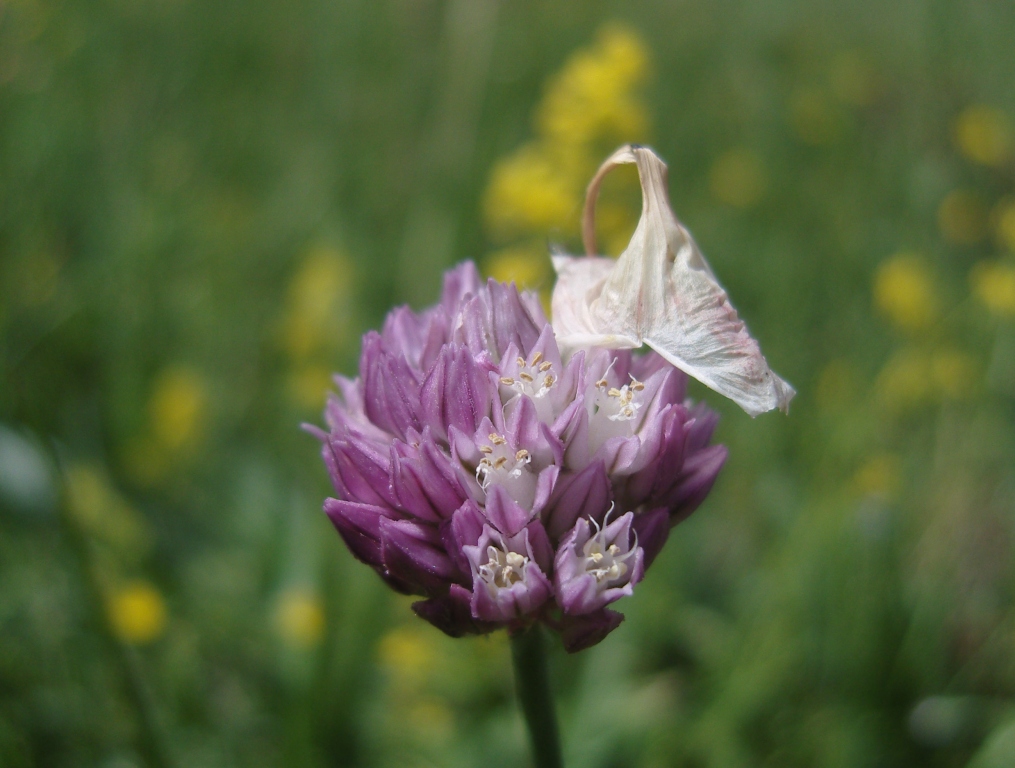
(503,483)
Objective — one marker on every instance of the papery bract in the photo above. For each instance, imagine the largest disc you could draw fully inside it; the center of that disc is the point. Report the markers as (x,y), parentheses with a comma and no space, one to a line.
(662,293)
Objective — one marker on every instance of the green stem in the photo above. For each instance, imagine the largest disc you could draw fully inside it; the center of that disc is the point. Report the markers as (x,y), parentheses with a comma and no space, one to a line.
(533,685)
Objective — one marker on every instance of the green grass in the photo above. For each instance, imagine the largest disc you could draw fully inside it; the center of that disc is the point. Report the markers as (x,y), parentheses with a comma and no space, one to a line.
(168,168)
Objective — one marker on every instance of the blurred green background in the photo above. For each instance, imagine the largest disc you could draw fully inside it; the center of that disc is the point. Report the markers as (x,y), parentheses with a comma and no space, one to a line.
(204,205)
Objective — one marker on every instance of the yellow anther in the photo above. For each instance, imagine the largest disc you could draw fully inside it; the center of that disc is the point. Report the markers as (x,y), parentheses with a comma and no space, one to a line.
(500,462)
(549,381)
(497,439)
(521,362)
(525,377)
(485,449)
(636,385)
(522,454)
(507,380)
(614,392)
(545,366)
(536,358)
(602,384)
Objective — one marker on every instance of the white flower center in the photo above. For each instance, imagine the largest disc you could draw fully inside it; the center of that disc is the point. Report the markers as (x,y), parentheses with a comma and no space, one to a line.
(618,404)
(534,378)
(607,562)
(502,568)
(613,411)
(500,463)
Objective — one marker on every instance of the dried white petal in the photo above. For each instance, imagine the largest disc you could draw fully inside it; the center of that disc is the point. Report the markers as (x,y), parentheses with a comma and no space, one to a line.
(661,292)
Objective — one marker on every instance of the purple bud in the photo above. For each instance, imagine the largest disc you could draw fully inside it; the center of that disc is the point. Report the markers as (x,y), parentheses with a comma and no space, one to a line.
(581,632)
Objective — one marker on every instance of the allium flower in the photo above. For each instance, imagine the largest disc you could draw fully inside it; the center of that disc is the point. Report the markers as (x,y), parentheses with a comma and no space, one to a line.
(476,468)
(506,483)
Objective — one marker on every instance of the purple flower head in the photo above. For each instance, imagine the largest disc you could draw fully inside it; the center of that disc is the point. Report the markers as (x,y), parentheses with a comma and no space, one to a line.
(504,483)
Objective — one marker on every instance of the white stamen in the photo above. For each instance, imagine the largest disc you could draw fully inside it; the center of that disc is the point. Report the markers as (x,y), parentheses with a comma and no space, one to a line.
(606,562)
(534,378)
(502,568)
(500,462)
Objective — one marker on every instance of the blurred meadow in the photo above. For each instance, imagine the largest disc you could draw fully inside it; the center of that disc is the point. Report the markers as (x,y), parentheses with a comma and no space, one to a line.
(203,207)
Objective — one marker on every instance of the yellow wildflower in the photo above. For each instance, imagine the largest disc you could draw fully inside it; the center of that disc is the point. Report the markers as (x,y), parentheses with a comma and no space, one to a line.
(879,476)
(104,514)
(984,135)
(299,618)
(317,303)
(904,292)
(408,653)
(308,385)
(591,98)
(527,194)
(962,217)
(737,178)
(527,267)
(993,284)
(591,105)
(177,407)
(137,613)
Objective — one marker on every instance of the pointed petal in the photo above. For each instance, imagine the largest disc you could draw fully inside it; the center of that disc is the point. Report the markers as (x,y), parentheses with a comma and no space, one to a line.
(581,632)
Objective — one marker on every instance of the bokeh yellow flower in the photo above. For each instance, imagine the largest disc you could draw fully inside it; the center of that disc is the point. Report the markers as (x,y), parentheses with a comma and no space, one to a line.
(318,303)
(962,217)
(984,135)
(879,475)
(299,618)
(307,385)
(738,178)
(993,283)
(589,107)
(904,292)
(914,377)
(527,194)
(408,653)
(527,267)
(177,407)
(137,613)
(105,515)
(592,98)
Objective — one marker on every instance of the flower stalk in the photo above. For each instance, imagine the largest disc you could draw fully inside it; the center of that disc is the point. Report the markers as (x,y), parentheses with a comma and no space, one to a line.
(532,682)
